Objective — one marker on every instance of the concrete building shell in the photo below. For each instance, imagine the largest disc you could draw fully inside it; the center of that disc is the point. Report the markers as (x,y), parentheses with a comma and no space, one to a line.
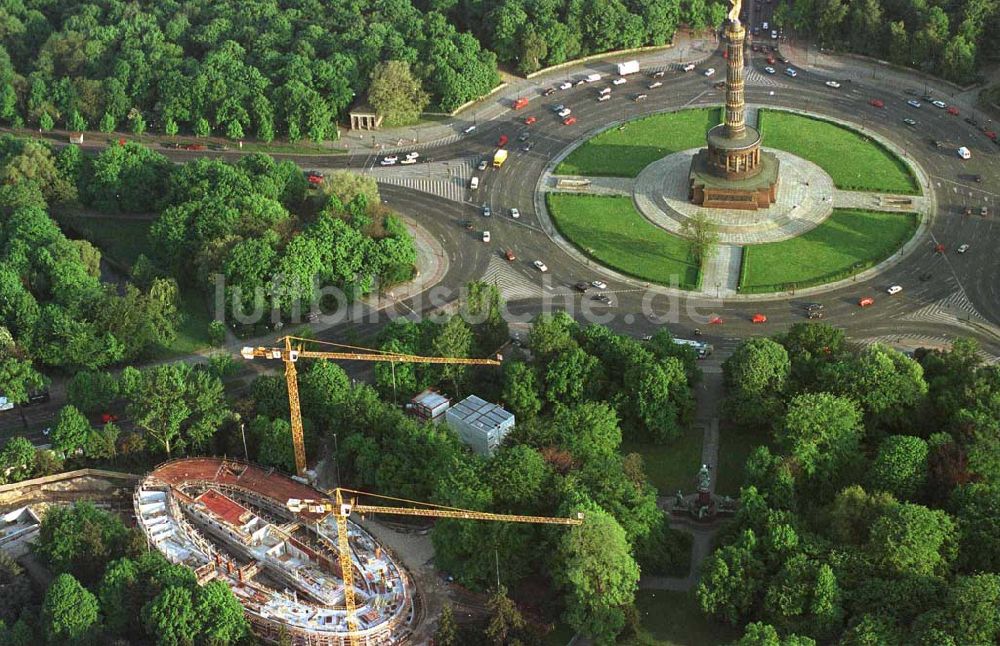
(227,520)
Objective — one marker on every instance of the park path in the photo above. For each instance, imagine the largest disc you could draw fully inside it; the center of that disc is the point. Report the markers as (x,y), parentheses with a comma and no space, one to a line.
(709,395)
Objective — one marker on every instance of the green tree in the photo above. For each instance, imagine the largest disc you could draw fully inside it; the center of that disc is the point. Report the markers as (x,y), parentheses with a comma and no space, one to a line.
(80,540)
(900,467)
(569,374)
(107,123)
(102,443)
(118,596)
(170,127)
(822,433)
(396,94)
(45,122)
(16,588)
(71,431)
(731,579)
(758,367)
(599,575)
(92,392)
(18,378)
(551,334)
(454,339)
(202,128)
(138,124)
(274,438)
(976,507)
(172,617)
(702,235)
(520,390)
(345,186)
(69,612)
(446,633)
(912,539)
(76,122)
(17,459)
(234,130)
(589,430)
(505,619)
(221,614)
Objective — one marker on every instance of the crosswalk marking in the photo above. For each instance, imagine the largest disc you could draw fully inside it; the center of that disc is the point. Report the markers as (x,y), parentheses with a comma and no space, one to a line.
(752,77)
(447,180)
(946,310)
(512,285)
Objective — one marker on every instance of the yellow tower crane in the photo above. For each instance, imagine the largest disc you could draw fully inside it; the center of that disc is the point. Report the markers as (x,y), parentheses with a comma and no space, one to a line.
(291,354)
(342,508)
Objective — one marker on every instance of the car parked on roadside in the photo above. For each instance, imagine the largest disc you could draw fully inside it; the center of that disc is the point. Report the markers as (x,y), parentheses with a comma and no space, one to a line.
(769,70)
(514,213)
(832,84)
(710,71)
(963,248)
(866,301)
(893,290)
(568,121)
(913,103)
(758,318)
(540,266)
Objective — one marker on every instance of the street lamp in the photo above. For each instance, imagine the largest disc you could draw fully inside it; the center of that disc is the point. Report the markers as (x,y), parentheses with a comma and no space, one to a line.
(244,436)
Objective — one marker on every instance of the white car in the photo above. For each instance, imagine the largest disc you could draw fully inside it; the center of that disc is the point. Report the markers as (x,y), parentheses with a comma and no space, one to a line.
(833,84)
(604,97)
(565,112)
(388,162)
(654,85)
(514,213)
(565,85)
(910,122)
(409,160)
(412,155)
(689,67)
(486,236)
(913,103)
(469,129)
(710,71)
(390,158)
(540,266)
(619,81)
(6,404)
(963,248)
(791,72)
(895,289)
(769,70)
(939,104)
(483,164)
(599,284)
(774,34)
(764,25)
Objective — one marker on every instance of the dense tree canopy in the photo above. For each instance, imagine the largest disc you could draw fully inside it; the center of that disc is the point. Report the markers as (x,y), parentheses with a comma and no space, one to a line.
(872,516)
(949,39)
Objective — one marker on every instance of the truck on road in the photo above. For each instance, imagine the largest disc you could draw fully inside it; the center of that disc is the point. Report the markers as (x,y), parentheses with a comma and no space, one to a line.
(628,67)
(499,157)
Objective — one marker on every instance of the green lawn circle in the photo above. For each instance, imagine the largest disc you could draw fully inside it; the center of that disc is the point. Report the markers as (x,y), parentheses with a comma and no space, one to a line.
(612,231)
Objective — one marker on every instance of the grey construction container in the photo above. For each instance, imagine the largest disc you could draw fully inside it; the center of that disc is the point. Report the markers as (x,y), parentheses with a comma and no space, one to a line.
(480,424)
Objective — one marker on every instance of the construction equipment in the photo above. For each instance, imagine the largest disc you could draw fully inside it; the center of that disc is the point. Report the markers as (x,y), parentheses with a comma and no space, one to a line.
(342,510)
(290,355)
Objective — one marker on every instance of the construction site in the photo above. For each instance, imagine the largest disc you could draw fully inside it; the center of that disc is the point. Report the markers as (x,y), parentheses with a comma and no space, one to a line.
(233,521)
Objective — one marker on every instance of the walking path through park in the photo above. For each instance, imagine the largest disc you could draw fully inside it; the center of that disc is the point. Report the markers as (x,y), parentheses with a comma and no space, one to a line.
(709,396)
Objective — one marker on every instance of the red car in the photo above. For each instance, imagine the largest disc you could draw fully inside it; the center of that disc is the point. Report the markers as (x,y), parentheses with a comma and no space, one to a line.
(953,110)
(770,60)
(866,301)
(530,120)
(107,418)
(503,141)
(509,255)
(715,320)
(991,134)
(758,318)
(568,121)
(878,103)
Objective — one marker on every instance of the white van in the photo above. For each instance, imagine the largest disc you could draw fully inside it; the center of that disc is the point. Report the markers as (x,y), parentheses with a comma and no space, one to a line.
(593,78)
(474,183)
(606,90)
(964,153)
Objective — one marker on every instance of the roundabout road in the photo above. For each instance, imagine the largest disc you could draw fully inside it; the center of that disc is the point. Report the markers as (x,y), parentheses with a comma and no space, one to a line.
(942,306)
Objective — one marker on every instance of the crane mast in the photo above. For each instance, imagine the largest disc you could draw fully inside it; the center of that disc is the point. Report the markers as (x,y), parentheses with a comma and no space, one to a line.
(342,510)
(290,355)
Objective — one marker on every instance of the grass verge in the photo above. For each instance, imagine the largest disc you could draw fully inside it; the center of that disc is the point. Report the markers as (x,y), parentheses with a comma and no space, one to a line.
(848,242)
(610,230)
(671,466)
(852,160)
(735,446)
(674,619)
(625,151)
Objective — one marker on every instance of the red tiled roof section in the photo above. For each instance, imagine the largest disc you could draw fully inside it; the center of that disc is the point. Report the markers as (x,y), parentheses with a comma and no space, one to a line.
(276,486)
(225,508)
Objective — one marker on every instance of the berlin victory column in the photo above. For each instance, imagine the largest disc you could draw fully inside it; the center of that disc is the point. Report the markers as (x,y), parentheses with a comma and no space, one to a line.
(733,172)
